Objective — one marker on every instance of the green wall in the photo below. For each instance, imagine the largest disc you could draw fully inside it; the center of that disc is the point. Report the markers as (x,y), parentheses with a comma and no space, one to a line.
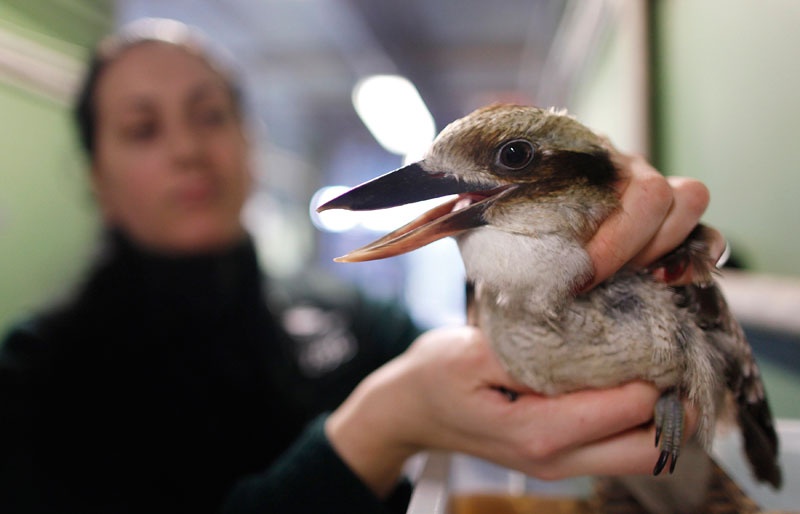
(45,211)
(47,220)
(729,113)
(70,26)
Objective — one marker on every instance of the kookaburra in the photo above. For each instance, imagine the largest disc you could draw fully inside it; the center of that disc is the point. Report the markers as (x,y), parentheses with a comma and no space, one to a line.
(533,186)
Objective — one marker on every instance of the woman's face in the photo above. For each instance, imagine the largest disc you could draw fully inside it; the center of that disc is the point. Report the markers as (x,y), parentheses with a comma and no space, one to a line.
(171,161)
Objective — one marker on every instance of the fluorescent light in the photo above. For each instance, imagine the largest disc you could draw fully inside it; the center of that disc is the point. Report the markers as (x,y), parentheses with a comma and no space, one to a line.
(395,114)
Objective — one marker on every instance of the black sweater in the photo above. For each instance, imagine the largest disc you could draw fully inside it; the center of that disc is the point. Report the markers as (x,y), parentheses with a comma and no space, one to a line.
(187,385)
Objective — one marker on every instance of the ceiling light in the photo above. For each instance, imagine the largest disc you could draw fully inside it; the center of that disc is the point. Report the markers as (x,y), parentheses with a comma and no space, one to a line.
(395,114)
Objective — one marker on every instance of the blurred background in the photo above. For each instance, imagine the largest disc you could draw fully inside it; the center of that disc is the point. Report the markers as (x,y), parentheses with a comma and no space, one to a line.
(704,88)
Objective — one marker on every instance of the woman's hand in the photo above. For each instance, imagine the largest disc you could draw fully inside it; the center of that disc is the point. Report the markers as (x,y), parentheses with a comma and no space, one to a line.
(443,393)
(656,215)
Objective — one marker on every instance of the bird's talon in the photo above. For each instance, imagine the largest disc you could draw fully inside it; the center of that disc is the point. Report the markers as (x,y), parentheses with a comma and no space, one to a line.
(669,428)
(672,464)
(662,461)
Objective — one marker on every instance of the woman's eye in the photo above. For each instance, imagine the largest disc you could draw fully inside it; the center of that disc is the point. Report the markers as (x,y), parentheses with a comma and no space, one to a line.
(515,155)
(141,131)
(212,117)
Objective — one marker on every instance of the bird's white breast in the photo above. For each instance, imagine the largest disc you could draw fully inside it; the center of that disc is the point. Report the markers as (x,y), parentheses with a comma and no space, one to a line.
(541,271)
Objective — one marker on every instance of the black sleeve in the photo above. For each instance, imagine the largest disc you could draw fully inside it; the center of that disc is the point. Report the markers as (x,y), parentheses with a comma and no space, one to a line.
(310,477)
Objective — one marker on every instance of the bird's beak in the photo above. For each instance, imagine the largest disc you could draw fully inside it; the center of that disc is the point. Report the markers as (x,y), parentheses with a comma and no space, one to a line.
(409,184)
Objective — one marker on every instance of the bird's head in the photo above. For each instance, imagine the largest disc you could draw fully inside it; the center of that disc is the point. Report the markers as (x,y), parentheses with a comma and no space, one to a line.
(519,169)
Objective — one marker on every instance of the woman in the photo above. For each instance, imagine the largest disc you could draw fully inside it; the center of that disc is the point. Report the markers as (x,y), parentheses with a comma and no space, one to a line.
(172,381)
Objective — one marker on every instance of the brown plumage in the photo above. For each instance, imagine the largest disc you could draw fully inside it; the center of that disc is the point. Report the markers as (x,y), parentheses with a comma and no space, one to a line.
(533,187)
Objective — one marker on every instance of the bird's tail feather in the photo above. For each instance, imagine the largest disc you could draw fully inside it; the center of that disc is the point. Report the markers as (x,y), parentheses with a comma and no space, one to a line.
(760,440)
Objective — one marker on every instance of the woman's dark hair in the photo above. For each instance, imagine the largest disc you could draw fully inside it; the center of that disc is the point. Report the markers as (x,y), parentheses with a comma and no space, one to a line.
(135,33)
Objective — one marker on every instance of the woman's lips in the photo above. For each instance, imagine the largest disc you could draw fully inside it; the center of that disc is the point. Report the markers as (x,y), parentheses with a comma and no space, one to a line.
(196,194)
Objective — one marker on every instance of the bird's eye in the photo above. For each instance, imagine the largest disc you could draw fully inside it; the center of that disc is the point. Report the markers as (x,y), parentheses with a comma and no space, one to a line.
(515,155)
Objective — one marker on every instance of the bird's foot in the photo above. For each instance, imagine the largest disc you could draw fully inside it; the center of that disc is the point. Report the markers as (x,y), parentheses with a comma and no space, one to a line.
(669,429)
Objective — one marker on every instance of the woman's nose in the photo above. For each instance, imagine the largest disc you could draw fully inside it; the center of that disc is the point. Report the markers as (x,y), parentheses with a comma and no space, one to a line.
(185,144)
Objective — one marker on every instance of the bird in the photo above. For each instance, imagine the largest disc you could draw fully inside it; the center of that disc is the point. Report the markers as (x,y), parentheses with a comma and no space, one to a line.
(527,188)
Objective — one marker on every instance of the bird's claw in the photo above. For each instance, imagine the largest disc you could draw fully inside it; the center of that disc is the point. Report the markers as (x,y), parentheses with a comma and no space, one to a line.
(662,461)
(669,430)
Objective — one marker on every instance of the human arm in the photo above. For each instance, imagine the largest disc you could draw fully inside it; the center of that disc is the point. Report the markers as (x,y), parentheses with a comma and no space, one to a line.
(311,477)
(443,393)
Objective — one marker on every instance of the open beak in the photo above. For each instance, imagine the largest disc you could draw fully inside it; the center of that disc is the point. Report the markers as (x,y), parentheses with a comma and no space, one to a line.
(410,184)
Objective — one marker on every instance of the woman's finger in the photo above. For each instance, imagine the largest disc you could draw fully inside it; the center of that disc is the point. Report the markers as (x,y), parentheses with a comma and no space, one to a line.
(582,417)
(690,199)
(630,452)
(645,201)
